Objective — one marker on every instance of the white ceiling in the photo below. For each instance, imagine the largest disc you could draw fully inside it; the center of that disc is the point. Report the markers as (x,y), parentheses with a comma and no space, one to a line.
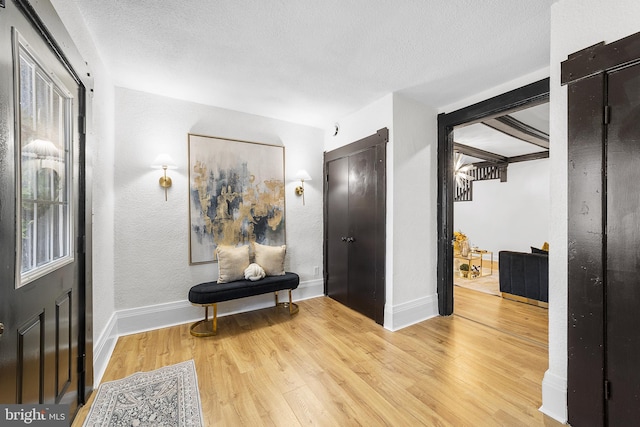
(313,62)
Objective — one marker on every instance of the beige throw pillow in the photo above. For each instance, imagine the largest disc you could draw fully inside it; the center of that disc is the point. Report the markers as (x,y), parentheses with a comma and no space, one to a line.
(270,258)
(232,261)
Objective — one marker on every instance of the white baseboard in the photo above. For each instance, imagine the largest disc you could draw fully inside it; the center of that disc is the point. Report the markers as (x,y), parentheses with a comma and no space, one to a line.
(554,397)
(142,319)
(103,348)
(412,312)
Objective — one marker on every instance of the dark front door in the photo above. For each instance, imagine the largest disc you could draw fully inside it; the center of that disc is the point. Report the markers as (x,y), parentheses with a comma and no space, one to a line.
(355,225)
(623,247)
(41,218)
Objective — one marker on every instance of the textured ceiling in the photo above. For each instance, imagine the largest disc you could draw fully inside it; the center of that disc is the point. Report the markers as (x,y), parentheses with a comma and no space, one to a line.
(313,62)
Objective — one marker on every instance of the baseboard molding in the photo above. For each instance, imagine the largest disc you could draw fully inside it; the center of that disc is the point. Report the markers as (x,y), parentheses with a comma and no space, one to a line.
(103,348)
(412,312)
(554,397)
(142,319)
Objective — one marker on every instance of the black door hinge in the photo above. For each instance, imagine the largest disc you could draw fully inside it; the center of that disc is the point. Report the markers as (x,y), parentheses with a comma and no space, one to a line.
(82,360)
(607,390)
(607,114)
(81,244)
(82,125)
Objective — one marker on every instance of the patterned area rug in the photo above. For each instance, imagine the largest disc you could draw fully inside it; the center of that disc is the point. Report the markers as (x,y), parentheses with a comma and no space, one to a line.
(168,396)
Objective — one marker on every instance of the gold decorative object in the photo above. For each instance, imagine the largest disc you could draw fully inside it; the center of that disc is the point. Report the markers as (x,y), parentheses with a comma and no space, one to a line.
(458,238)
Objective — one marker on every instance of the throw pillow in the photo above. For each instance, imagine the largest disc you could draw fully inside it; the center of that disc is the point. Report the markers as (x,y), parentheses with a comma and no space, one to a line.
(232,261)
(545,247)
(539,251)
(270,258)
(254,272)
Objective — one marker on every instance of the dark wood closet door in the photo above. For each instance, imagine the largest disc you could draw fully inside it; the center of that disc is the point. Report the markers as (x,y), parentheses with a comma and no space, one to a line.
(355,240)
(361,241)
(604,233)
(623,248)
(337,230)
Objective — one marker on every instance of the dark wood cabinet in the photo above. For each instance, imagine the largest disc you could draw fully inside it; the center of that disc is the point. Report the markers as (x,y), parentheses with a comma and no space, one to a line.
(355,225)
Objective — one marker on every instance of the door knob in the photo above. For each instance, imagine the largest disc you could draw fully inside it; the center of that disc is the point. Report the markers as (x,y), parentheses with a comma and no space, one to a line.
(1,329)
(344,239)
(350,240)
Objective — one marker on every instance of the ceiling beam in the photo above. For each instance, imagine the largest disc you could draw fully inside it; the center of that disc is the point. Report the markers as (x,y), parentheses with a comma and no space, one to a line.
(515,128)
(531,156)
(478,153)
(516,159)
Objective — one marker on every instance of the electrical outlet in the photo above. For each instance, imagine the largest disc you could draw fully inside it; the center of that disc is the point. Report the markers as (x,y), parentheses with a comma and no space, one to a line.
(316,271)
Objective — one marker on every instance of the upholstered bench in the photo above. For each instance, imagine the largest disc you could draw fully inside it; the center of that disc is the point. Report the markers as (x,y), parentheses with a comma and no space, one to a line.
(211,293)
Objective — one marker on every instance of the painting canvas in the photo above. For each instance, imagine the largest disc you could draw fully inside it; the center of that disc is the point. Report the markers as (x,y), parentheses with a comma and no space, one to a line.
(236,195)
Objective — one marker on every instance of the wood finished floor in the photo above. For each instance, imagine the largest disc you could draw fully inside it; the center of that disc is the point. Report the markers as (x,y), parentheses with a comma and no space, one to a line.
(330,366)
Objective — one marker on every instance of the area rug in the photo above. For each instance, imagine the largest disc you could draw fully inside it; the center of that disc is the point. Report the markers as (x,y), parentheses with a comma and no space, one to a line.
(168,396)
(488,283)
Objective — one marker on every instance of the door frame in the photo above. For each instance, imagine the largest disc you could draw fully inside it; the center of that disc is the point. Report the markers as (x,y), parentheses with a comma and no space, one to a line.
(584,72)
(83,244)
(526,96)
(378,139)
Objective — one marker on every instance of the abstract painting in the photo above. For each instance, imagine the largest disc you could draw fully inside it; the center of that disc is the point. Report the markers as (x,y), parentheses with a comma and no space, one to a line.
(236,195)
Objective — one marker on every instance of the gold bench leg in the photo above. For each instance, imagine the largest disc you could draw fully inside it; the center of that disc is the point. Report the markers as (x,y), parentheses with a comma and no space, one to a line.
(293,307)
(203,331)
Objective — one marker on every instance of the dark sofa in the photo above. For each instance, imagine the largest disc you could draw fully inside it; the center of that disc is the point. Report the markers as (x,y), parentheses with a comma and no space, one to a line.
(524,274)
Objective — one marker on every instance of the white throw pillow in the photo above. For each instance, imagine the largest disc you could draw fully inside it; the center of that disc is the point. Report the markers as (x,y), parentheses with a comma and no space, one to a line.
(270,258)
(254,272)
(232,261)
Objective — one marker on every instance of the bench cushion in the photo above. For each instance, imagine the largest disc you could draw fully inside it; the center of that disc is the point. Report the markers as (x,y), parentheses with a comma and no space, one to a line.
(212,292)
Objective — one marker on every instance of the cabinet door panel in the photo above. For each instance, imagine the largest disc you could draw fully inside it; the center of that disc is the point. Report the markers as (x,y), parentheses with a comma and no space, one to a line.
(362,231)
(623,247)
(337,229)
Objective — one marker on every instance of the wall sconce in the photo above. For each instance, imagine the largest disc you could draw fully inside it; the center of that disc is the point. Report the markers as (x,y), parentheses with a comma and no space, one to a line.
(164,162)
(303,176)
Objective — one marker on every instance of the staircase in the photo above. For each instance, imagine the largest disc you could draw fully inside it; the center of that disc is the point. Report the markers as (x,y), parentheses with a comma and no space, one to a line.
(464,192)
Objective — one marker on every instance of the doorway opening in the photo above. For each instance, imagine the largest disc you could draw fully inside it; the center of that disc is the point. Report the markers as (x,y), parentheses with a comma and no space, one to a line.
(474,141)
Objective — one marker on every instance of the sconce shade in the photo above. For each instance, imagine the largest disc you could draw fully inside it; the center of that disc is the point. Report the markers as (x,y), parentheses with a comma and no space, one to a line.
(303,175)
(164,161)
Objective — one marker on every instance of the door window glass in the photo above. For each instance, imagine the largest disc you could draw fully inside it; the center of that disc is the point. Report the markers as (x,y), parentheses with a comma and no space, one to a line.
(44,167)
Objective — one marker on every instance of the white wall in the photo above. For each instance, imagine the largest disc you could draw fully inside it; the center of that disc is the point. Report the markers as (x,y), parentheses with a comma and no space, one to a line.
(151,234)
(415,197)
(575,25)
(512,215)
(411,199)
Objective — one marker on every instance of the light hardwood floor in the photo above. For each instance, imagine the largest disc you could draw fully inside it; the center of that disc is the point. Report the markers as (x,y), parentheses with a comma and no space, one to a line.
(330,366)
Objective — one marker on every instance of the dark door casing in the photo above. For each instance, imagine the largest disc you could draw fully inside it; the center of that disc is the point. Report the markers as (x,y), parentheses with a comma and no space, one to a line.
(355,225)
(604,233)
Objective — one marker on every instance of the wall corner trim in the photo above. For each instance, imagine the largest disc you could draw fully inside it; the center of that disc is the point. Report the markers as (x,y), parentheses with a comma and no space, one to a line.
(554,397)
